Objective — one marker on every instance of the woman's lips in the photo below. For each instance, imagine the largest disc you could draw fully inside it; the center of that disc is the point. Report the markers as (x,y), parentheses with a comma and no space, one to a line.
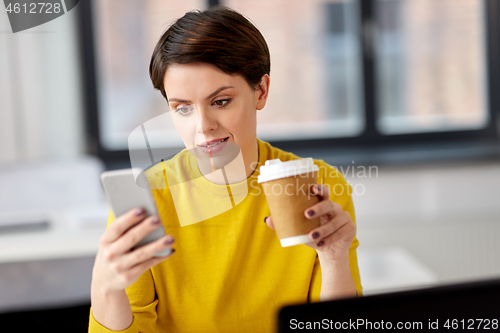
(214,149)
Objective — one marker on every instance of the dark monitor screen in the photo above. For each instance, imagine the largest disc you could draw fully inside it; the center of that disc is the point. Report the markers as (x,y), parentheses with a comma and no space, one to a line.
(459,307)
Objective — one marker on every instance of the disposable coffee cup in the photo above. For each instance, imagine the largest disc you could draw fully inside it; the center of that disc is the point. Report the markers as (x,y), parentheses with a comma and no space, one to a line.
(287,189)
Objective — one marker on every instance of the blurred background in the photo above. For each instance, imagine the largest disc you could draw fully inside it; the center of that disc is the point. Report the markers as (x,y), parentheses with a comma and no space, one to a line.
(402,96)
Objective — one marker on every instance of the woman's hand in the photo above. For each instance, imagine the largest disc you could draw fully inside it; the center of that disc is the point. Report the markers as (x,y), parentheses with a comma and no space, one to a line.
(333,238)
(116,266)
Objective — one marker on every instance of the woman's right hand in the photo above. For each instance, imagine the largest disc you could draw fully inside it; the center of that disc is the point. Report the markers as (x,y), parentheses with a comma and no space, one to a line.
(117,266)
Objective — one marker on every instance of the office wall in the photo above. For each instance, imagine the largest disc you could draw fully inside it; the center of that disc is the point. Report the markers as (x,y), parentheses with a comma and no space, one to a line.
(446,215)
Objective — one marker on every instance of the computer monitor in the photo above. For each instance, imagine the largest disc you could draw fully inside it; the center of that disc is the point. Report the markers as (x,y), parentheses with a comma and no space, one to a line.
(454,308)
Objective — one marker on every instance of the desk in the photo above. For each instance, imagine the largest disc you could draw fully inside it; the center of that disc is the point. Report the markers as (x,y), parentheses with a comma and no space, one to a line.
(392,269)
(51,267)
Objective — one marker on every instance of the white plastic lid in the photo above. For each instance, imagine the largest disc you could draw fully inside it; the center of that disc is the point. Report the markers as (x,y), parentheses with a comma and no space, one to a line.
(275,169)
(295,240)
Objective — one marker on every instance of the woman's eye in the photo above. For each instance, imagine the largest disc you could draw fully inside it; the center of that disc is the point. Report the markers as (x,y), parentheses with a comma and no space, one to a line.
(222,102)
(183,111)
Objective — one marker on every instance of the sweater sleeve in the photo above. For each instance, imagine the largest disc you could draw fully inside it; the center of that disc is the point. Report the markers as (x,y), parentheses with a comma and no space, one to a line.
(143,301)
(353,257)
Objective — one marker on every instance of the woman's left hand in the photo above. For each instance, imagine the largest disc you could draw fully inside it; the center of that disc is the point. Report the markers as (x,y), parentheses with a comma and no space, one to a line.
(333,238)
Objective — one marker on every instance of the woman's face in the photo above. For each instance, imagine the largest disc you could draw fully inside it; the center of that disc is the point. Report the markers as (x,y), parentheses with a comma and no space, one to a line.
(208,104)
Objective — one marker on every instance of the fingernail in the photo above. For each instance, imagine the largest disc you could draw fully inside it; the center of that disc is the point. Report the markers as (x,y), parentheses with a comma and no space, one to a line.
(139,212)
(310,213)
(169,241)
(315,235)
(321,243)
(265,219)
(155,221)
(317,188)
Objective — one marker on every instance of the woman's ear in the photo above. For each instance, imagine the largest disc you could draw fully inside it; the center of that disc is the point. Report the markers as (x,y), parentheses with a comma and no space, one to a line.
(262,92)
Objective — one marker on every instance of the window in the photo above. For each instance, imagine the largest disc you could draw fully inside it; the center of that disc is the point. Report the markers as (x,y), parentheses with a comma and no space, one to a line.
(430,63)
(316,78)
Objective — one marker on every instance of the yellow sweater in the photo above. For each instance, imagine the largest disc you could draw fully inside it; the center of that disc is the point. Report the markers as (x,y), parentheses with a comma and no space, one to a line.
(229,272)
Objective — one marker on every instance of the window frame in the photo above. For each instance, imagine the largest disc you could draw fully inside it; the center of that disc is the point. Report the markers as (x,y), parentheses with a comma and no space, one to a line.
(369,139)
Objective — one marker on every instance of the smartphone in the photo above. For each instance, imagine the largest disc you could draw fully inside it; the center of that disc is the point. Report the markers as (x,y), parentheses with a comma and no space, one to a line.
(124,192)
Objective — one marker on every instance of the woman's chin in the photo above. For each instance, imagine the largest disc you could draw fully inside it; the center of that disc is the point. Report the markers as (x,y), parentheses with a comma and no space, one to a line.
(216,158)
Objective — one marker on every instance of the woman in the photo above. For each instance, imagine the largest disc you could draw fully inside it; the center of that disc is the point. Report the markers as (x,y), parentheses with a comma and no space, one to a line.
(229,272)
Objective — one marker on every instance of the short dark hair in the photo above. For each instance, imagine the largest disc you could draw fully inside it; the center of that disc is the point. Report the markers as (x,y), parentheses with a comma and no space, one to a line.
(219,36)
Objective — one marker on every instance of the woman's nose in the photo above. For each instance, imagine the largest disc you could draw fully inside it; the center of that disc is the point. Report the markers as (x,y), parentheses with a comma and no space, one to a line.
(206,122)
